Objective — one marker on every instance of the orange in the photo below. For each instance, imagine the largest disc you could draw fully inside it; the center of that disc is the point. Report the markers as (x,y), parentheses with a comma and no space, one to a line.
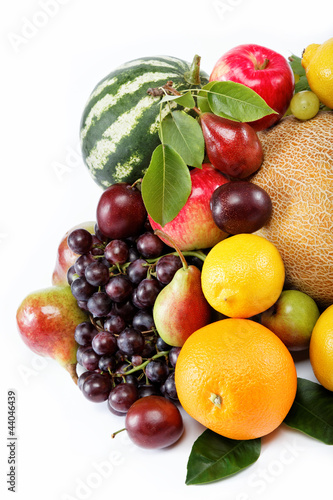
(242,276)
(236,377)
(297,173)
(317,60)
(321,349)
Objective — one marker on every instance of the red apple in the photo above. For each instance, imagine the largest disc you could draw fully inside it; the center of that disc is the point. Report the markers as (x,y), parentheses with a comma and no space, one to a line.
(66,257)
(194,228)
(263,70)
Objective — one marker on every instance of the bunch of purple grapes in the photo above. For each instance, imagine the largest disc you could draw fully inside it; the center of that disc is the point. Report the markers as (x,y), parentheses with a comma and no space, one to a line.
(117,282)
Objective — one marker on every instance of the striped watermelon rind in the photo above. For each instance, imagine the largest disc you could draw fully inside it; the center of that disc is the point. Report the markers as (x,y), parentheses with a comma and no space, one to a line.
(119,125)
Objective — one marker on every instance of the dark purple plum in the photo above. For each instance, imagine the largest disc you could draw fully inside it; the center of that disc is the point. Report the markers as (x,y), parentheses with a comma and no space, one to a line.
(240,207)
(154,422)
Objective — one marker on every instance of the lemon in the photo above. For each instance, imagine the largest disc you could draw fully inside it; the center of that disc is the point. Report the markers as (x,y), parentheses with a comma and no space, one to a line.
(242,276)
(321,349)
(317,61)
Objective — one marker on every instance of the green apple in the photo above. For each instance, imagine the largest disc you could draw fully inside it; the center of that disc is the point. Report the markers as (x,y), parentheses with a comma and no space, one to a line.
(292,319)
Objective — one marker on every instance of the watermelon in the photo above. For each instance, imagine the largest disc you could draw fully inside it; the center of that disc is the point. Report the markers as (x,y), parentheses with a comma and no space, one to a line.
(119,125)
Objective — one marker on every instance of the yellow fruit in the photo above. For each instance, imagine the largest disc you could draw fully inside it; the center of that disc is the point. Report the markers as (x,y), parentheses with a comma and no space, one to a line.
(321,349)
(242,276)
(297,173)
(236,377)
(318,63)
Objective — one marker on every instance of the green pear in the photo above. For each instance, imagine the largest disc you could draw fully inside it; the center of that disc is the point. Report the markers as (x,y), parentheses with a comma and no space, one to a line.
(46,320)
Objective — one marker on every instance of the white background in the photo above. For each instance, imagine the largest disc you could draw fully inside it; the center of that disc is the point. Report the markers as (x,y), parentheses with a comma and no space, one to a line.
(50,64)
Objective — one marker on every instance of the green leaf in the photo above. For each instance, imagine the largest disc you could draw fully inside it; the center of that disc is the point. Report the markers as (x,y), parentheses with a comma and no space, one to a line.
(183,133)
(185,100)
(312,411)
(238,102)
(214,457)
(296,65)
(166,185)
(302,84)
(202,98)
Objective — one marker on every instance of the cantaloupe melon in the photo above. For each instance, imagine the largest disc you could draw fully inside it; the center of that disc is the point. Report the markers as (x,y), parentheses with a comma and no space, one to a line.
(297,172)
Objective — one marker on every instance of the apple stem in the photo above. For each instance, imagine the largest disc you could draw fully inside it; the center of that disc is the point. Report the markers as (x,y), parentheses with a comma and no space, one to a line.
(71,368)
(262,65)
(162,235)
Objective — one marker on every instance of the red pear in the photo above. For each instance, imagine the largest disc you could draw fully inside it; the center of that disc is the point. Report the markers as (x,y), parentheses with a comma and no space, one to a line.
(180,308)
(232,147)
(46,320)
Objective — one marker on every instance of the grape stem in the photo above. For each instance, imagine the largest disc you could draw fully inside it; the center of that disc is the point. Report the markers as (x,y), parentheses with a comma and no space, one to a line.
(145,363)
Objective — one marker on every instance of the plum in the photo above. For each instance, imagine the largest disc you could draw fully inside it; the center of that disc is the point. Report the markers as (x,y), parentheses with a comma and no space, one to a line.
(154,422)
(240,207)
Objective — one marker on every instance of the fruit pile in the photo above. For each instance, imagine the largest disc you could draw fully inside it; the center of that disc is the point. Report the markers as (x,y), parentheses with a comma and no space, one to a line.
(168,298)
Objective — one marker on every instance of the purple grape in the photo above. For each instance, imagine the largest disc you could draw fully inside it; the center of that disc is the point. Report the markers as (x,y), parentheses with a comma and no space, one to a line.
(157,370)
(116,252)
(143,321)
(125,309)
(119,288)
(161,345)
(136,360)
(79,353)
(99,304)
(123,396)
(131,341)
(104,343)
(89,359)
(70,274)
(148,350)
(84,333)
(149,245)
(82,262)
(114,323)
(83,305)
(97,273)
(107,362)
(173,355)
(137,271)
(82,378)
(81,289)
(166,268)
(170,386)
(148,390)
(147,291)
(133,254)
(136,301)
(97,387)
(100,236)
(79,241)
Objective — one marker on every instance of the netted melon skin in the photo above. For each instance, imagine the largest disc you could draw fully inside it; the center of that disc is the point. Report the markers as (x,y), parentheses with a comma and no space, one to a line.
(297,173)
